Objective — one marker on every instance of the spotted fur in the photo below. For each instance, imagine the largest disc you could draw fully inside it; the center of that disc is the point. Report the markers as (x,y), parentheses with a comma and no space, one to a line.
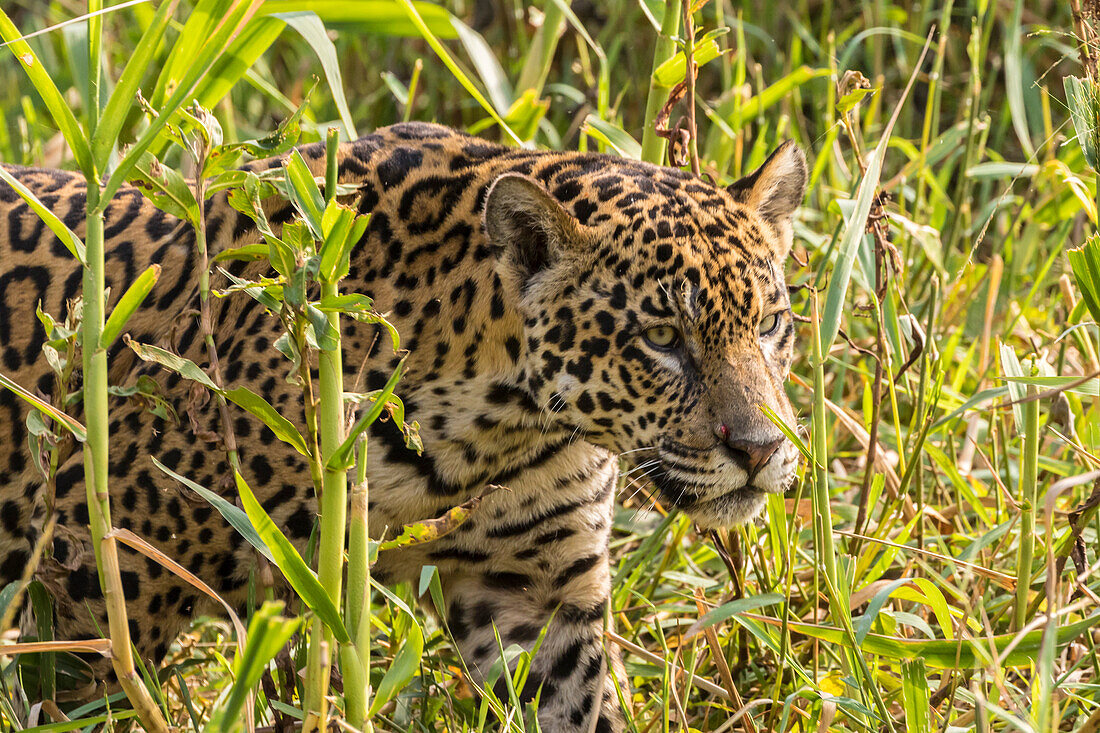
(527,286)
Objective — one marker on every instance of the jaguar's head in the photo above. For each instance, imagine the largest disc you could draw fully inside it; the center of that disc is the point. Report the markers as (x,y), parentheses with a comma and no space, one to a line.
(657,319)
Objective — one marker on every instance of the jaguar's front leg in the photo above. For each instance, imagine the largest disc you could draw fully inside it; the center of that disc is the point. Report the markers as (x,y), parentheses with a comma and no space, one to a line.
(571,672)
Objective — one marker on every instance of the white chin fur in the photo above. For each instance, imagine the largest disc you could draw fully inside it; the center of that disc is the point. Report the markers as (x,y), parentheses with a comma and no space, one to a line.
(731,509)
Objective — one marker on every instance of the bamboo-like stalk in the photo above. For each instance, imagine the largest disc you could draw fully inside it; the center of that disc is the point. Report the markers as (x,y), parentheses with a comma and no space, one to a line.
(94,358)
(96,416)
(357,607)
(653,145)
(823,529)
(1029,466)
(334,485)
(229,437)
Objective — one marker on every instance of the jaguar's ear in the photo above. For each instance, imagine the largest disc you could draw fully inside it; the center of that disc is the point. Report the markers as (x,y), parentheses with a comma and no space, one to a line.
(776,188)
(532,227)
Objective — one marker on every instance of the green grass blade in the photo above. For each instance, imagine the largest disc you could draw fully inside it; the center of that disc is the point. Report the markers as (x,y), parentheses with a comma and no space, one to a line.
(67,237)
(341,458)
(231,512)
(180,365)
(69,423)
(377,17)
(958,654)
(449,62)
(488,68)
(290,563)
(614,136)
(260,408)
(406,663)
(127,305)
(59,109)
(312,29)
(1014,79)
(914,695)
(268,633)
(855,227)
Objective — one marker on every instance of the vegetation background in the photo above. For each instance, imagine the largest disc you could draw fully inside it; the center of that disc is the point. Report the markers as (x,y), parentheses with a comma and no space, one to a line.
(934,568)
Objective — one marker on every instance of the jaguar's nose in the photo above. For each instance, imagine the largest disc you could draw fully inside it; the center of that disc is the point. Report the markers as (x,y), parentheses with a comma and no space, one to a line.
(750,455)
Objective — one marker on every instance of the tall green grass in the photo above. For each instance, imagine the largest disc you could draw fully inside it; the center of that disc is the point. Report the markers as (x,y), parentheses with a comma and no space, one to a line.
(934,568)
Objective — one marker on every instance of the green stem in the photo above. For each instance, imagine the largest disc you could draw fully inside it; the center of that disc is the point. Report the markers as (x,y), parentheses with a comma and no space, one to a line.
(357,701)
(334,484)
(653,146)
(95,470)
(206,323)
(1029,466)
(823,529)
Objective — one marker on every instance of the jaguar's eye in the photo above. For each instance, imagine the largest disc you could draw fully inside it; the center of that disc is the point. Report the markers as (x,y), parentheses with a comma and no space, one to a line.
(662,337)
(768,325)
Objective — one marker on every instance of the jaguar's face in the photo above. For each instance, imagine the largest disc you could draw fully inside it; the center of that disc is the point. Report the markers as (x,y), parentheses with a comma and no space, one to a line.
(663,331)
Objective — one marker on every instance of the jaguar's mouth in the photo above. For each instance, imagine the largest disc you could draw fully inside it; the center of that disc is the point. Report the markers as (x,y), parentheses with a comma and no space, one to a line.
(710,506)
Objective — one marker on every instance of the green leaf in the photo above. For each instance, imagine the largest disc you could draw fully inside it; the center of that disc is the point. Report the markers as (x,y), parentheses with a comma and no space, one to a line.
(863,624)
(1011,367)
(733,608)
(1014,78)
(263,292)
(72,242)
(1085,262)
(1002,169)
(46,408)
(405,664)
(304,194)
(233,63)
(60,109)
(285,136)
(256,405)
(428,34)
(772,95)
(854,232)
(1083,100)
(526,112)
(1088,387)
(672,71)
(127,305)
(487,65)
(613,135)
(245,253)
(210,28)
(165,188)
(83,723)
(379,17)
(231,512)
(787,430)
(336,226)
(342,458)
(268,633)
(848,102)
(178,364)
(914,695)
(294,568)
(963,653)
(312,29)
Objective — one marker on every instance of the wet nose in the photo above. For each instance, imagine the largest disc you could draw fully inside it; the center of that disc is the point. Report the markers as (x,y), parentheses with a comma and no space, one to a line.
(750,455)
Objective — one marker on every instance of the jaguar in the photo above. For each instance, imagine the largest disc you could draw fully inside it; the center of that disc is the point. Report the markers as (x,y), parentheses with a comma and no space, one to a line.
(561,312)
